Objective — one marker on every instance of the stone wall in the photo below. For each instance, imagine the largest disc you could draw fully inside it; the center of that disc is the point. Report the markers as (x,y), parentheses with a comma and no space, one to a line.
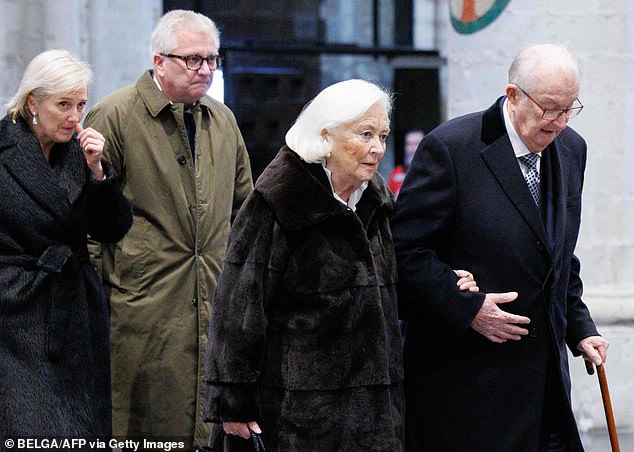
(112,35)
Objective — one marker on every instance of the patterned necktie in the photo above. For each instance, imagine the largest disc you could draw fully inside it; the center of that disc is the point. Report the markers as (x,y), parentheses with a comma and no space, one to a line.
(532,176)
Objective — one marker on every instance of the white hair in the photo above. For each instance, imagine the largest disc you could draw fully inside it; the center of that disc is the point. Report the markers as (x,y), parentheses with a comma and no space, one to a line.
(534,59)
(164,38)
(334,106)
(55,71)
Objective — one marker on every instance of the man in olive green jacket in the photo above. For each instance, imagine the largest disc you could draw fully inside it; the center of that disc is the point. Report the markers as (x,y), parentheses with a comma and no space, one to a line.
(185,182)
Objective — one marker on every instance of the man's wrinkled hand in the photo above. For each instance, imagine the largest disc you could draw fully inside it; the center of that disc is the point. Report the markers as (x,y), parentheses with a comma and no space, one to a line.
(498,325)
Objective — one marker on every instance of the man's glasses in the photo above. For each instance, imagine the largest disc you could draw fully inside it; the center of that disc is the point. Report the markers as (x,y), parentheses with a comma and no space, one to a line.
(195,62)
(552,114)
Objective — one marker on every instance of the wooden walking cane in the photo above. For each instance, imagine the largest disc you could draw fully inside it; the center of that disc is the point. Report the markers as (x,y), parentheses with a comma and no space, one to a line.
(607,404)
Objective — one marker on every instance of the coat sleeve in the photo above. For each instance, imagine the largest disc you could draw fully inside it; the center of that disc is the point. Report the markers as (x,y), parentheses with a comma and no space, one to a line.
(421,229)
(109,213)
(238,328)
(106,119)
(579,323)
(243,182)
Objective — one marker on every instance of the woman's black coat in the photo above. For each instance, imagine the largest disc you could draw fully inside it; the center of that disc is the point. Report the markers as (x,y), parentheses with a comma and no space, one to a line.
(54,355)
(304,336)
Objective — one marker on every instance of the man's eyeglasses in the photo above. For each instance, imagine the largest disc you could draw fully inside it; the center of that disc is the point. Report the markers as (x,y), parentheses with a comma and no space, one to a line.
(195,62)
(552,114)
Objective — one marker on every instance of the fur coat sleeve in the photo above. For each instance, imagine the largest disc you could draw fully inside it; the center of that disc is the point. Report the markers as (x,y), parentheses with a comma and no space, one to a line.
(250,273)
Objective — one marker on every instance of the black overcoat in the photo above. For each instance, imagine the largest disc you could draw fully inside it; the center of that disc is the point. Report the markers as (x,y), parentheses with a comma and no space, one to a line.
(54,356)
(465,204)
(304,336)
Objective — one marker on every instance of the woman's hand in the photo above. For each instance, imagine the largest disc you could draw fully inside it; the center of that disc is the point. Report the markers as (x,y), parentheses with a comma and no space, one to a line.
(91,143)
(466,281)
(241,429)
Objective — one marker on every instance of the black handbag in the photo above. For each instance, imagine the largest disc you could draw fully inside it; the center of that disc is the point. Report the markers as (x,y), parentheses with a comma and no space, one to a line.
(219,442)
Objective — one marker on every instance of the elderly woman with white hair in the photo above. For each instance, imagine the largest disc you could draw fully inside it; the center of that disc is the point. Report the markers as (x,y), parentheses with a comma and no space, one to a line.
(54,357)
(304,339)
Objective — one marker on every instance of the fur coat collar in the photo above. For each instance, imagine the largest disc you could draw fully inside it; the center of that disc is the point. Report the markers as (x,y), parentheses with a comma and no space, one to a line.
(21,154)
(300,195)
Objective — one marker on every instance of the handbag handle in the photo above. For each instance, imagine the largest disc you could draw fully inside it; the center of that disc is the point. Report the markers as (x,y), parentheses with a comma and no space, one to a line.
(219,442)
(258,444)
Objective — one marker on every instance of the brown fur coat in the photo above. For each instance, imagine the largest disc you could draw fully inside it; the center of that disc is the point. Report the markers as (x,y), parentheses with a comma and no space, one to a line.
(304,334)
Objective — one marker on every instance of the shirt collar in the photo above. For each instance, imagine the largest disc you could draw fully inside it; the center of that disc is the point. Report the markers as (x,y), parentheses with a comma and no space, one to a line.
(158,85)
(519,148)
(355,196)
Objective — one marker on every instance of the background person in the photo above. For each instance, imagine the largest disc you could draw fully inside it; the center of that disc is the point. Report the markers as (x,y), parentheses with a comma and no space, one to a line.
(489,371)
(412,140)
(54,357)
(185,169)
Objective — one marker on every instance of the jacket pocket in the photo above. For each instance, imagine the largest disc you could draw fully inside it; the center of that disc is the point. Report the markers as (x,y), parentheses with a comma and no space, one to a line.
(131,258)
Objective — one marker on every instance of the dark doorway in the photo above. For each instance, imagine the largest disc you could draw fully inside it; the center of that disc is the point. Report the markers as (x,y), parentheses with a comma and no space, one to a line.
(416,104)
(265,91)
(272,53)
(266,99)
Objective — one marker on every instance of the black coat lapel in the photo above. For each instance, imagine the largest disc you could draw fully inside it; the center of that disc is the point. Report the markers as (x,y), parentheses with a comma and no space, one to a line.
(501,161)
(559,167)
(71,169)
(54,189)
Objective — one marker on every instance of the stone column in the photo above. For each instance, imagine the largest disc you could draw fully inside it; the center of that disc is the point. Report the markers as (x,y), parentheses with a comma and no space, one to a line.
(119,41)
(113,36)
(14,36)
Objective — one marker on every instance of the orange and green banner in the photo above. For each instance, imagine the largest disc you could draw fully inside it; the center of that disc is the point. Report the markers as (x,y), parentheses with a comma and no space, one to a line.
(469,16)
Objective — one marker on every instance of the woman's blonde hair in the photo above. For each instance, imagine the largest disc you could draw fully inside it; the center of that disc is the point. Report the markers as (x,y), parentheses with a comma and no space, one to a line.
(51,72)
(334,106)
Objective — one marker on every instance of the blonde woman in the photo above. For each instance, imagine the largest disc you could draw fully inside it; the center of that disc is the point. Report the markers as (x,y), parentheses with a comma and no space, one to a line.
(54,357)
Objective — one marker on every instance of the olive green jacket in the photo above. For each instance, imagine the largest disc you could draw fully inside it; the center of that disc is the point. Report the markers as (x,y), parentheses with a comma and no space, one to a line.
(161,277)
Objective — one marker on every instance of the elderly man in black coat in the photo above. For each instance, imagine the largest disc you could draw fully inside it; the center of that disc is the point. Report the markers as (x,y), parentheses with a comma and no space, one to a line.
(488,371)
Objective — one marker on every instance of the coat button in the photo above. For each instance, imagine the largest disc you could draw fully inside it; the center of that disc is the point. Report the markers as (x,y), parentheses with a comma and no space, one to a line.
(182,160)
(540,247)
(532,332)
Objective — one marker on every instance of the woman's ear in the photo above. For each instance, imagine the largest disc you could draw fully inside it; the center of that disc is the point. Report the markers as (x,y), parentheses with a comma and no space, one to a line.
(30,102)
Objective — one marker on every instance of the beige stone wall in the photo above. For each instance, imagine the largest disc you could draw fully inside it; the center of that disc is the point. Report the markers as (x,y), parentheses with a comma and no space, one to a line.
(112,35)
